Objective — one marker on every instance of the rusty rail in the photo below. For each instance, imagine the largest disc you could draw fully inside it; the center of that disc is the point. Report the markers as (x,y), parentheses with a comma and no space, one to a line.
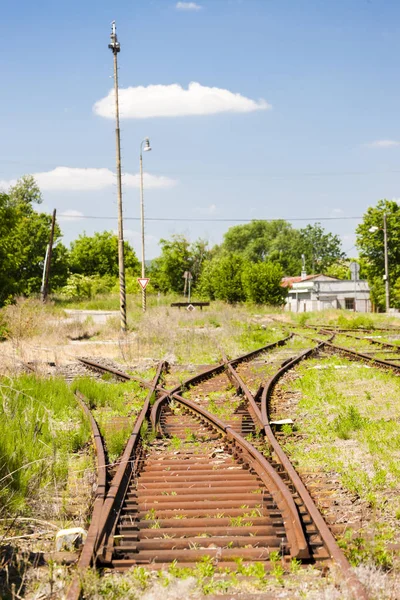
(360,356)
(86,555)
(282,496)
(329,540)
(107,506)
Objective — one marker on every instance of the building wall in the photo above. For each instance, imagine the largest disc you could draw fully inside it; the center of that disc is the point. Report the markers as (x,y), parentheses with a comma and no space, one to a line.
(363,305)
(322,293)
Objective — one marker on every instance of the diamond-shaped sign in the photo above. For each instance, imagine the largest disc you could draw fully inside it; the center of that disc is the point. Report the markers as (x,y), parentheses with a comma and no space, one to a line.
(190,307)
(143,281)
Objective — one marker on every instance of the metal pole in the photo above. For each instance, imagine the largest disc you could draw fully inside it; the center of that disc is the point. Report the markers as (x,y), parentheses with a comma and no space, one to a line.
(115,47)
(142,225)
(48,259)
(385,241)
(190,279)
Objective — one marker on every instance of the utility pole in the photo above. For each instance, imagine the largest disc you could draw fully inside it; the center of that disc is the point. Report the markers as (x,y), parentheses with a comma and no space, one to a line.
(385,241)
(47,260)
(115,48)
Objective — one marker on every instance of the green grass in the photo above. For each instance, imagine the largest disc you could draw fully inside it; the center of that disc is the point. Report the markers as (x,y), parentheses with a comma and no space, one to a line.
(348,417)
(108,401)
(345,319)
(41,426)
(252,336)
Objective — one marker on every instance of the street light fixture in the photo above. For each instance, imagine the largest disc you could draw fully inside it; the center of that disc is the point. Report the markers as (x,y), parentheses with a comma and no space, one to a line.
(374,229)
(146,148)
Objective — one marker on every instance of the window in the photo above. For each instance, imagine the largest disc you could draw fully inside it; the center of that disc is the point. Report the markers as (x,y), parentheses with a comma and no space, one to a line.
(349,303)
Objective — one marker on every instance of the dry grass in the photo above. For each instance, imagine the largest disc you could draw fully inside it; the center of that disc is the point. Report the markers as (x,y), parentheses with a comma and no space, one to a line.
(38,333)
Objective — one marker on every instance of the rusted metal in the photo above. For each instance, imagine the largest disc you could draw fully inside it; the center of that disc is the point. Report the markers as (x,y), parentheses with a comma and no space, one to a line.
(86,556)
(101,522)
(360,356)
(280,492)
(372,341)
(186,485)
(323,529)
(117,491)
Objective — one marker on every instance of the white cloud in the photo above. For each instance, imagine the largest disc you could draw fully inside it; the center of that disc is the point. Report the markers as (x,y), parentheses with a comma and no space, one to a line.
(383,144)
(188,6)
(175,101)
(70,215)
(75,179)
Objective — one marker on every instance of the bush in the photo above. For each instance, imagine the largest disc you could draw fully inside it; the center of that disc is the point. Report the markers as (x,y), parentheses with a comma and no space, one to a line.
(262,283)
(85,287)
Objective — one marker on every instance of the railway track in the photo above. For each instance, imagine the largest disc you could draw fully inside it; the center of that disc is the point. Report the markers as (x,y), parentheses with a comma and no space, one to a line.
(190,485)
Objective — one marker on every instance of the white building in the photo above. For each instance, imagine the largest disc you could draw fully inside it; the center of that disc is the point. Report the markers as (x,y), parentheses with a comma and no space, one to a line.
(318,292)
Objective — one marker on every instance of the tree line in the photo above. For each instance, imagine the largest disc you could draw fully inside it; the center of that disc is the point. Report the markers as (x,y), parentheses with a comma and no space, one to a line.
(247,266)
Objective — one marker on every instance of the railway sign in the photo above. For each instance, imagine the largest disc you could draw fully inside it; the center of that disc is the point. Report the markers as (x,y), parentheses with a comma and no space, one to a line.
(190,307)
(143,281)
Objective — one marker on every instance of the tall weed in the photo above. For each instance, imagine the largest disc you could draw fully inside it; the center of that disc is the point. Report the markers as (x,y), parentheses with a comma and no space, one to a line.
(41,427)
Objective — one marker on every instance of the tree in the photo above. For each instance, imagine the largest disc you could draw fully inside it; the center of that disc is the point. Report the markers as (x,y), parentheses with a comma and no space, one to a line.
(221,278)
(262,283)
(270,241)
(98,255)
(320,249)
(278,242)
(341,268)
(372,251)
(24,238)
(177,256)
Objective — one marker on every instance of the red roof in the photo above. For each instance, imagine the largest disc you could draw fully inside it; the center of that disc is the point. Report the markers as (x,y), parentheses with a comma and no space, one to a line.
(289,281)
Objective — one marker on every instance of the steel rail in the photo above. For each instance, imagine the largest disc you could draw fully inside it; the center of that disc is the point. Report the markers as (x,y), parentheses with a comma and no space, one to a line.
(109,509)
(117,491)
(192,380)
(336,553)
(372,341)
(360,356)
(85,557)
(296,539)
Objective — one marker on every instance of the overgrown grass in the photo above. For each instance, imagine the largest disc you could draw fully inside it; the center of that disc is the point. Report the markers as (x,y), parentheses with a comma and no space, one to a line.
(41,425)
(115,407)
(348,417)
(345,319)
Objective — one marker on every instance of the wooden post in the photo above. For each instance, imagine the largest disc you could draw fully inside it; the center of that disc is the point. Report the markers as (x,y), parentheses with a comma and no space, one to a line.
(45,286)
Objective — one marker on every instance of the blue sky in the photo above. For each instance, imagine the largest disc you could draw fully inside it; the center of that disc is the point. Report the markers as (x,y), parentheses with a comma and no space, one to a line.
(315,131)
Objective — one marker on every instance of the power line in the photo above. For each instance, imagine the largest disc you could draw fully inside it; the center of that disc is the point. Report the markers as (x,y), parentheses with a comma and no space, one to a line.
(207,219)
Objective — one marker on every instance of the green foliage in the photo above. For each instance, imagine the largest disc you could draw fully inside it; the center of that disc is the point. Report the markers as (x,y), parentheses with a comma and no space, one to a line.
(341,268)
(86,287)
(177,256)
(262,283)
(278,242)
(350,322)
(42,425)
(108,401)
(221,278)
(320,249)
(348,421)
(360,549)
(24,235)
(98,255)
(261,241)
(371,247)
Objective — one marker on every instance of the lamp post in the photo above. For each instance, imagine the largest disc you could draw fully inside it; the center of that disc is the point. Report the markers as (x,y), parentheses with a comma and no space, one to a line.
(373,229)
(146,148)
